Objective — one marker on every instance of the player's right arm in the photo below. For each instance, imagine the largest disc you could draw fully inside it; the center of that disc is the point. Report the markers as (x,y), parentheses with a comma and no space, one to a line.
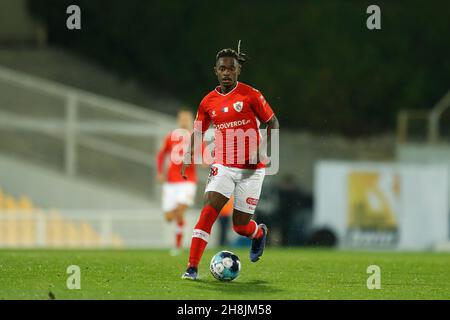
(201,124)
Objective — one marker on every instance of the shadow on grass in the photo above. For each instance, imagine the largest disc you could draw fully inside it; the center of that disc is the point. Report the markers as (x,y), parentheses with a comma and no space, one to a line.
(251,286)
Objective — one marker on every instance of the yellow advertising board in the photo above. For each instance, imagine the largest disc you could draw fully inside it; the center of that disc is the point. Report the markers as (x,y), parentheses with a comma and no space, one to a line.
(373,199)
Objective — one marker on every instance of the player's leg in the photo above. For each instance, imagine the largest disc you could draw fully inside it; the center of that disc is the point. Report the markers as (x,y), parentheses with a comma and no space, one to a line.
(219,188)
(214,202)
(247,192)
(244,225)
(184,198)
(180,222)
(169,204)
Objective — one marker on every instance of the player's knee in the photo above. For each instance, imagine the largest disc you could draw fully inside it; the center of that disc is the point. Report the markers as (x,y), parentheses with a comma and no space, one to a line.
(215,201)
(241,218)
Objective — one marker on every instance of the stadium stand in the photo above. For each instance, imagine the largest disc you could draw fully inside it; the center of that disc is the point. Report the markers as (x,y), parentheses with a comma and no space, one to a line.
(21,222)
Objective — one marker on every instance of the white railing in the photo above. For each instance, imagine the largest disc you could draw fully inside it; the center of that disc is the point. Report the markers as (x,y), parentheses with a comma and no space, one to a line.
(138,122)
(428,120)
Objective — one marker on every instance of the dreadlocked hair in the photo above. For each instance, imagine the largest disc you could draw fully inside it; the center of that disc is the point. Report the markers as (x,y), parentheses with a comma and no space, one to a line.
(238,55)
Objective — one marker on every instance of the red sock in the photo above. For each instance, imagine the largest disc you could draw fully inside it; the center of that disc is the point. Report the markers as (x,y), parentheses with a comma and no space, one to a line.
(201,233)
(250,230)
(179,234)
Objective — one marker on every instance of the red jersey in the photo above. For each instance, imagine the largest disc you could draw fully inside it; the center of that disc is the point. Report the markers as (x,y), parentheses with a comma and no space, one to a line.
(234,115)
(174,168)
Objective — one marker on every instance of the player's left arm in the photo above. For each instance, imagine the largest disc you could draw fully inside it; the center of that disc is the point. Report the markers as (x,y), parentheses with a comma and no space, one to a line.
(201,124)
(272,124)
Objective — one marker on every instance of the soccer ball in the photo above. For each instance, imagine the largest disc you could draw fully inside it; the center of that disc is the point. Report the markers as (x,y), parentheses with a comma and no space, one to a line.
(225,266)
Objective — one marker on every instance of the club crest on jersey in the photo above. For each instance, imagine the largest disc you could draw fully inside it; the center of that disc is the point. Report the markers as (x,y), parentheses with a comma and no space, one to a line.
(238,106)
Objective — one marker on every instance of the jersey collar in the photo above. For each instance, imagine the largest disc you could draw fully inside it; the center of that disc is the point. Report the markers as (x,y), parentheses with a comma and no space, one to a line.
(217,90)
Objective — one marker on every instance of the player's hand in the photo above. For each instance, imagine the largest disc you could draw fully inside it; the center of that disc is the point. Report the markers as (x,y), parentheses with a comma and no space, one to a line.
(160,177)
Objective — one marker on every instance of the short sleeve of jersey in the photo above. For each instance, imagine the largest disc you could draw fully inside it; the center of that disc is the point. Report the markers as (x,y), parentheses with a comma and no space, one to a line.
(202,120)
(261,108)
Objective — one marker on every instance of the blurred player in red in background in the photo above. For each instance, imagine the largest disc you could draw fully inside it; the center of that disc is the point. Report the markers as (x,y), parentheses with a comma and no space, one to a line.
(177,193)
(235,110)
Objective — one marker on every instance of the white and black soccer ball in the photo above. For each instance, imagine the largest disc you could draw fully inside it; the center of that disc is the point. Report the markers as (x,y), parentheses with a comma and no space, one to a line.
(225,266)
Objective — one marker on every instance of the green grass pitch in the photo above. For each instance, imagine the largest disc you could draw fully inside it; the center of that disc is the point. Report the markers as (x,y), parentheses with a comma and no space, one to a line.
(280,274)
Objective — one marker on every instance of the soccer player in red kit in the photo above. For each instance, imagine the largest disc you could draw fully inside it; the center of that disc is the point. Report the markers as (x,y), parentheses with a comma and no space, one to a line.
(177,193)
(236,111)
